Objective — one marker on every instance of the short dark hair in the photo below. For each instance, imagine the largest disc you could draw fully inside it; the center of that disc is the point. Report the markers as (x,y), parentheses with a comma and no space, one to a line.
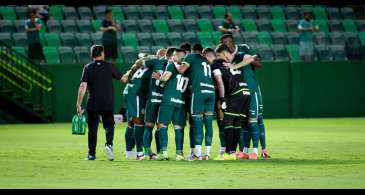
(186,46)
(225,36)
(180,50)
(107,11)
(221,47)
(197,47)
(207,50)
(96,50)
(170,52)
(226,15)
(32,11)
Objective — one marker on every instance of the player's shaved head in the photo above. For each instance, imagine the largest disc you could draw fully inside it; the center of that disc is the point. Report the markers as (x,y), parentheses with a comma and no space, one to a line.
(161,53)
(186,47)
(227,39)
(197,48)
(209,54)
(179,54)
(169,52)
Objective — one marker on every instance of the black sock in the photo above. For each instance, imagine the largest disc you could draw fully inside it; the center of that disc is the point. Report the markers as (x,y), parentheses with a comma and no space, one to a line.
(228,135)
(236,138)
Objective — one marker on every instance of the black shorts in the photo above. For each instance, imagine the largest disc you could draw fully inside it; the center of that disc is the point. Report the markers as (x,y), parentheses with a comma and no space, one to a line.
(35,51)
(111,51)
(237,111)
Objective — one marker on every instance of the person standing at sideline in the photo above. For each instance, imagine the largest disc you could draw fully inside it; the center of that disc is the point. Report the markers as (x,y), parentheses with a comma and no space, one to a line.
(32,27)
(306,28)
(228,26)
(97,78)
(109,40)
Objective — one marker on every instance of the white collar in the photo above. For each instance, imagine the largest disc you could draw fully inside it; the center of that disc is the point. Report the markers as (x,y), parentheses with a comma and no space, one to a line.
(236,50)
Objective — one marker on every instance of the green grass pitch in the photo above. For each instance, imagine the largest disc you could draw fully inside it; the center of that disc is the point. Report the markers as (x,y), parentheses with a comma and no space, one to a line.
(307,153)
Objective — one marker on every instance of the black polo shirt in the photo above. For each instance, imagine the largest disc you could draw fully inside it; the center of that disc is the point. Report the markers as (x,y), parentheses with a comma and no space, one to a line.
(109,36)
(228,25)
(99,77)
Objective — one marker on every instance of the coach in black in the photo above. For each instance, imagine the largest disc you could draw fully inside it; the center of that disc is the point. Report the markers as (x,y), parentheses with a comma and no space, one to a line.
(97,78)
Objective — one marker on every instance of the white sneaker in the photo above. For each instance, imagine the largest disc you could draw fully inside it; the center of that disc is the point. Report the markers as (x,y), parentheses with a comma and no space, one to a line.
(109,152)
(130,155)
(179,157)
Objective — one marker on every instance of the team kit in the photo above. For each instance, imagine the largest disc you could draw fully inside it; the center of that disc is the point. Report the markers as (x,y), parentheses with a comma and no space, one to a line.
(193,85)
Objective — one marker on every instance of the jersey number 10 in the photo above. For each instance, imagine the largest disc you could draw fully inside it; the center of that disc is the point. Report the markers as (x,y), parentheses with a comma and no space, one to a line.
(182,83)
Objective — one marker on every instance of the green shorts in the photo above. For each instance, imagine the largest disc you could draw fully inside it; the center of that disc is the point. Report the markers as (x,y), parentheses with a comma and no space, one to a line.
(136,106)
(174,114)
(202,103)
(151,111)
(256,107)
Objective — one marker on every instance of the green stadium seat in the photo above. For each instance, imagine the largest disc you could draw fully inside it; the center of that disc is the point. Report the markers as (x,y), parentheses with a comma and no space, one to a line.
(83,39)
(190,37)
(249,25)
(205,12)
(263,12)
(351,38)
(51,55)
(130,25)
(8,12)
(144,49)
(292,25)
(160,25)
(293,51)
(130,39)
(145,25)
(175,38)
(69,26)
(349,25)
(85,13)
(20,50)
(7,26)
(323,53)
(206,39)
(235,11)
(54,26)
(97,38)
(82,54)
(176,25)
(216,23)
(219,11)
(360,25)
(335,25)
(155,48)
(337,38)
(84,26)
(305,8)
(22,12)
(323,25)
(278,25)
(190,25)
(278,38)
(99,11)
(362,38)
(248,13)
(56,12)
(67,55)
(216,35)
(146,12)
(265,53)
(68,39)
(250,6)
(160,38)
(190,12)
(292,38)
(321,38)
(161,12)
(175,12)
(250,38)
(5,37)
(205,25)
(96,25)
(280,52)
(292,13)
(52,39)
(339,53)
(264,25)
(117,13)
(129,55)
(277,13)
(20,39)
(264,38)
(348,13)
(237,37)
(320,13)
(145,39)
(334,13)
(70,13)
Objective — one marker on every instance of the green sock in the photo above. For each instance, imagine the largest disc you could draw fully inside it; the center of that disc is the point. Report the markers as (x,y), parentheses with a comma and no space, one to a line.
(208,129)
(157,141)
(163,137)
(255,134)
(147,139)
(179,140)
(129,138)
(138,136)
(262,136)
(198,130)
(221,133)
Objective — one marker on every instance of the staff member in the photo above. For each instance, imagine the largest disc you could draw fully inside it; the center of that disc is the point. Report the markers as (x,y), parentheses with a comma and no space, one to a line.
(306,28)
(110,28)
(32,27)
(228,26)
(98,77)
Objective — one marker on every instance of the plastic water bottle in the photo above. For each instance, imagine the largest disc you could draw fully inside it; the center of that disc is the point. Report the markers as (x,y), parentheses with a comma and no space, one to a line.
(75,124)
(82,125)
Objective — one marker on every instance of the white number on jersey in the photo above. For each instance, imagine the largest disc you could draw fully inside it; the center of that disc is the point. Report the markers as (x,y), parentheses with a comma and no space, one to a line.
(207,71)
(139,73)
(234,72)
(182,83)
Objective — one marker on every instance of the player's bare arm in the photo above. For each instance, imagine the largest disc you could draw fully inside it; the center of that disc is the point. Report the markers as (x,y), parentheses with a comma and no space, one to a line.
(80,96)
(243,63)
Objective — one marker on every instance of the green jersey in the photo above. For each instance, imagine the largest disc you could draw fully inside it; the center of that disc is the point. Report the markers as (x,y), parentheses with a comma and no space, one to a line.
(33,37)
(244,48)
(247,72)
(155,91)
(173,93)
(137,84)
(199,73)
(306,36)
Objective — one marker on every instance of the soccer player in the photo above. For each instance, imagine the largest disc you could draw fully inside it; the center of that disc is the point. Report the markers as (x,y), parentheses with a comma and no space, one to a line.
(129,138)
(202,99)
(172,107)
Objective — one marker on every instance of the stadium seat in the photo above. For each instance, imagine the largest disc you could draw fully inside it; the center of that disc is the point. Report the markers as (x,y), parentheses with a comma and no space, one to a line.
(278,38)
(68,39)
(238,37)
(85,13)
(205,25)
(22,12)
(56,12)
(190,25)
(6,38)
(293,51)
(206,39)
(351,38)
(305,8)
(205,12)
(265,53)
(96,25)
(362,38)
(130,26)
(264,25)
(291,13)
(292,25)
(144,49)
(320,13)
(117,13)
(51,55)
(84,26)
(250,38)
(19,25)
(339,53)
(69,26)
(248,13)
(54,26)
(323,25)
(190,12)
(360,25)
(278,25)
(67,55)
(52,39)
(191,37)
(99,11)
(280,52)
(335,25)
(277,13)
(130,39)
(146,12)
(131,12)
(145,25)
(354,50)
(264,38)
(334,13)
(263,12)
(176,25)
(20,50)
(337,38)
(250,6)
(235,11)
(323,53)
(160,38)
(97,37)
(348,13)
(216,35)
(145,39)
(161,12)
(83,39)
(82,54)
(8,12)
(321,38)
(349,25)
(155,48)
(160,25)
(249,25)
(7,26)
(175,38)
(70,13)
(175,12)
(219,11)
(292,38)
(20,39)
(129,54)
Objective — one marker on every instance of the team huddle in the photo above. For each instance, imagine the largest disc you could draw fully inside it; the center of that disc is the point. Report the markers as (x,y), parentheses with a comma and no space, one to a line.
(183,84)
